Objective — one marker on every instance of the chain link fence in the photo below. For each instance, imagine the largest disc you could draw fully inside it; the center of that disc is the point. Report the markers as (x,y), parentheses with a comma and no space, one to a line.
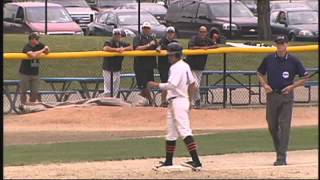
(242,87)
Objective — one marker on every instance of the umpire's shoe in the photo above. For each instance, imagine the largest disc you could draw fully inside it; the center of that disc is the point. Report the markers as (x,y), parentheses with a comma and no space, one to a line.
(280,162)
(193,165)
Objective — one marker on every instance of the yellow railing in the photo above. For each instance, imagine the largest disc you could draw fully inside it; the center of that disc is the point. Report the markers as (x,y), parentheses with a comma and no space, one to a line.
(92,54)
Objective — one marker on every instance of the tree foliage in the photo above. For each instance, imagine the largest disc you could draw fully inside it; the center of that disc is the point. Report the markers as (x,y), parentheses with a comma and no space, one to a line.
(264,28)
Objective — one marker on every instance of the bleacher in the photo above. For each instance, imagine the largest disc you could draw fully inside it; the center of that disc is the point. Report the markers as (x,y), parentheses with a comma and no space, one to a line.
(206,90)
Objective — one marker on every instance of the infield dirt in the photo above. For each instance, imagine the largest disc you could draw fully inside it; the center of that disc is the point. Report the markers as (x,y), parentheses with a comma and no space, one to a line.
(101,123)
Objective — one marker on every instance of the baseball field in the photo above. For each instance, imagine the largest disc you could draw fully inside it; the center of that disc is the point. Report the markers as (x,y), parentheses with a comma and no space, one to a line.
(127,142)
(99,142)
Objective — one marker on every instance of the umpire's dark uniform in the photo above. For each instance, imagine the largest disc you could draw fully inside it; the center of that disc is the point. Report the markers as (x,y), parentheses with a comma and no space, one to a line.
(281,72)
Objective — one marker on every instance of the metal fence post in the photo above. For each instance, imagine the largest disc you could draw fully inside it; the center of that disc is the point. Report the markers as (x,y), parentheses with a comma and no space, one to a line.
(139,9)
(111,84)
(230,19)
(224,80)
(46,17)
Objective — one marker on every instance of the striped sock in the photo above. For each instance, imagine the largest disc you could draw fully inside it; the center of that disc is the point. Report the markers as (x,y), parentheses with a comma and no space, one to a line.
(170,148)
(192,148)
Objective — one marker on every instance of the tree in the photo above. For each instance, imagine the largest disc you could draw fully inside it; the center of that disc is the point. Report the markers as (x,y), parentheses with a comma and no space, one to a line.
(264,28)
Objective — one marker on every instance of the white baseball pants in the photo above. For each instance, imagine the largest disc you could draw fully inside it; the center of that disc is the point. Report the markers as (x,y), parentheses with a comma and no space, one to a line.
(178,122)
(107,82)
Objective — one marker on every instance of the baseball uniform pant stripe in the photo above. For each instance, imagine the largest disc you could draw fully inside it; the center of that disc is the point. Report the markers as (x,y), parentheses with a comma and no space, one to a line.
(192,147)
(171,149)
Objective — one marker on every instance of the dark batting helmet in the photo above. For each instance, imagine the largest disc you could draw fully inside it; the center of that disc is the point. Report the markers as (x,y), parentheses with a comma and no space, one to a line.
(174,48)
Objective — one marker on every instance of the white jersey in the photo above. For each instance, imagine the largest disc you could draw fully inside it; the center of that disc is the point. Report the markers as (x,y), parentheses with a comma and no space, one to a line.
(180,77)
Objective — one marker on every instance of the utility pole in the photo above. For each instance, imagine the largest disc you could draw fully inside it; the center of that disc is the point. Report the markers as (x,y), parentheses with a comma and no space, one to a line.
(139,17)
(230,19)
(46,17)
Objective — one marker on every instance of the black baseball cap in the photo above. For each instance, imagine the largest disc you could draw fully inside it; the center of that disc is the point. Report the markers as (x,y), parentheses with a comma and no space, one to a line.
(281,39)
(34,36)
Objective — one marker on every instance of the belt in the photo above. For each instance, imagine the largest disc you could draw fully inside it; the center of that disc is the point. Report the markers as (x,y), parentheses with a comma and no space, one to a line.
(172,98)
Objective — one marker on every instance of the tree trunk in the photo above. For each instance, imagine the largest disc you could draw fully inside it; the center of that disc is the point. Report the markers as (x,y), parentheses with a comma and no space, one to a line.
(264,28)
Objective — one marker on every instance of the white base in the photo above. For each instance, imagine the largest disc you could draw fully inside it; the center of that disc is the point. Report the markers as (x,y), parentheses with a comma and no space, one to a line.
(174,168)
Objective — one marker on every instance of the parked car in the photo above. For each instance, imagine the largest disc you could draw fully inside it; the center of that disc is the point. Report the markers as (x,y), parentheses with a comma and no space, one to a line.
(283,5)
(298,24)
(79,11)
(11,1)
(252,5)
(127,20)
(102,5)
(156,10)
(27,17)
(187,16)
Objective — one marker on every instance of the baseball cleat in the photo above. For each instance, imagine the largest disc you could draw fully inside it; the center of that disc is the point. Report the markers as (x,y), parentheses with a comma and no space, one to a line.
(162,164)
(194,166)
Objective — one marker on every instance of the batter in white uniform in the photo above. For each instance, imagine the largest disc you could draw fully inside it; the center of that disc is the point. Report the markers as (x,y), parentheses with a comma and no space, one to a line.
(180,87)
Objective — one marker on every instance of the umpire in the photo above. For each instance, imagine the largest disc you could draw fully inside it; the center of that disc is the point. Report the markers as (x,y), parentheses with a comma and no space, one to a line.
(143,66)
(281,69)
(163,61)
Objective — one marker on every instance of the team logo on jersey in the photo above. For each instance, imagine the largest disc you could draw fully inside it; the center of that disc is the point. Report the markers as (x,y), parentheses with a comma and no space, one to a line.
(285,74)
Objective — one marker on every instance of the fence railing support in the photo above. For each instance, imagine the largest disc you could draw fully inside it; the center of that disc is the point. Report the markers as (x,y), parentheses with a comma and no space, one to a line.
(111,84)
(224,80)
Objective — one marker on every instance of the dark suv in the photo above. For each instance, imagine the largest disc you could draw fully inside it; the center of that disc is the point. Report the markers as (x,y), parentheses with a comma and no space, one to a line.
(188,15)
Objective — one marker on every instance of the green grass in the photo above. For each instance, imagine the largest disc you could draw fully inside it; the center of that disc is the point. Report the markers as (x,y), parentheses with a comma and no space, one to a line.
(220,143)
(92,67)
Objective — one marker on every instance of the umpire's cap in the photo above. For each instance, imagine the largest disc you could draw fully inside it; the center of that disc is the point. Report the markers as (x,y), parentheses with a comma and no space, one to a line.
(281,39)
(174,48)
